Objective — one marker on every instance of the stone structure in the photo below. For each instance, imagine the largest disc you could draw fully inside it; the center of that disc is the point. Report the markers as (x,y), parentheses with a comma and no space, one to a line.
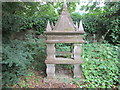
(65,31)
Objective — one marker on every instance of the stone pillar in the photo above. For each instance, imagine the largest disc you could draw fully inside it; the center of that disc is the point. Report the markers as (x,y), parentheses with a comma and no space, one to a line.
(77,71)
(77,51)
(77,56)
(50,51)
(50,71)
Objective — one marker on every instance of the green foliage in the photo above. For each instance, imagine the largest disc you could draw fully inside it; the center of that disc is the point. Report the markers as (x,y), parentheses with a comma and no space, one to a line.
(76,81)
(40,23)
(20,56)
(14,23)
(20,8)
(101,65)
(114,30)
(76,17)
(26,15)
(65,66)
(101,60)
(103,21)
(93,24)
(65,49)
(16,16)
(48,12)
(58,6)
(38,48)
(108,28)
(16,59)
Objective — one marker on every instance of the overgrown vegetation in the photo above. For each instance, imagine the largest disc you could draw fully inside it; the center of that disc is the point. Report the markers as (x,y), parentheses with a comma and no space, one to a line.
(15,60)
(101,65)
(104,22)
(101,61)
(38,49)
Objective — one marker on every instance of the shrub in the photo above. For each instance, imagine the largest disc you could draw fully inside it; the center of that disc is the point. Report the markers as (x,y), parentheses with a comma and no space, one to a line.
(105,25)
(16,59)
(14,23)
(38,48)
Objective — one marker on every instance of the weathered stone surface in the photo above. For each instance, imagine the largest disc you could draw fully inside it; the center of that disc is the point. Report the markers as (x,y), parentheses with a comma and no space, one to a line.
(69,38)
(77,71)
(65,22)
(81,29)
(77,51)
(48,27)
(76,25)
(50,71)
(64,31)
(64,61)
(50,51)
(64,41)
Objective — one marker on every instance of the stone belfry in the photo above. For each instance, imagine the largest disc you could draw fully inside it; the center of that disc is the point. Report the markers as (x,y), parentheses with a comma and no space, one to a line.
(64,31)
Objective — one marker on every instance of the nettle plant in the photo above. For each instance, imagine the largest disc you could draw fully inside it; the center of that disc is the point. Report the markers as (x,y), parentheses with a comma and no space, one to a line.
(101,65)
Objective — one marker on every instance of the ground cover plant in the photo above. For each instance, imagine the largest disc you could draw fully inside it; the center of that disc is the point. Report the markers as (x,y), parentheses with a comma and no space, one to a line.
(101,65)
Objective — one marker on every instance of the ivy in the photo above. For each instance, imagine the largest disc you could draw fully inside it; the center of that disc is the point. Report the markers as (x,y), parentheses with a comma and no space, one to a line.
(101,65)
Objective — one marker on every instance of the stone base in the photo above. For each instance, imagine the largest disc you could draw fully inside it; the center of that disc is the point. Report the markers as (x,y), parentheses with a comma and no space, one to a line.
(64,76)
(50,70)
(77,71)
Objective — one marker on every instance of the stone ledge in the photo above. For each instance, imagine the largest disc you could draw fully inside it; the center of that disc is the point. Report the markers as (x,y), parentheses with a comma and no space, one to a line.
(64,61)
(64,32)
(65,41)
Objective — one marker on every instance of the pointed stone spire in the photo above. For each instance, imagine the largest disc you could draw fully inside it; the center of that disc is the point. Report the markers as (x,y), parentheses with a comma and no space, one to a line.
(81,27)
(52,25)
(76,25)
(64,11)
(65,22)
(48,26)
(65,4)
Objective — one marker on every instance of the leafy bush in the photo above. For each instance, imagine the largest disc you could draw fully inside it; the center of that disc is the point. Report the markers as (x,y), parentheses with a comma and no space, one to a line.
(11,23)
(40,23)
(16,59)
(63,47)
(76,17)
(104,21)
(101,65)
(38,48)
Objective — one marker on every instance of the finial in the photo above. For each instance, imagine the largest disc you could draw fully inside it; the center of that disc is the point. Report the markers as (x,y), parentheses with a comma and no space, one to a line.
(48,26)
(76,25)
(65,4)
(52,25)
(81,27)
